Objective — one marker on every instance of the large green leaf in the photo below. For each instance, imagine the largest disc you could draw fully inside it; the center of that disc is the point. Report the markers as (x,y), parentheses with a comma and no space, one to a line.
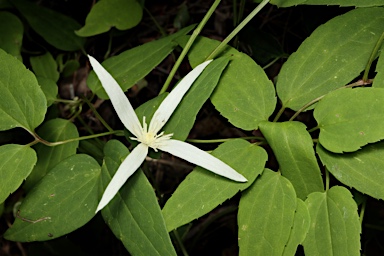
(350,118)
(60,203)
(134,215)
(53,130)
(244,95)
(45,66)
(22,103)
(202,191)
(16,163)
(335,227)
(331,57)
(49,88)
(11,31)
(357,3)
(183,119)
(293,148)
(105,14)
(363,170)
(378,82)
(56,28)
(266,215)
(300,228)
(133,65)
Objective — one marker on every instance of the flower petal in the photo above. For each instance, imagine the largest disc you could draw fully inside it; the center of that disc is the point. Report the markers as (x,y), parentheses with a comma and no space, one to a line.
(119,101)
(201,158)
(169,104)
(130,164)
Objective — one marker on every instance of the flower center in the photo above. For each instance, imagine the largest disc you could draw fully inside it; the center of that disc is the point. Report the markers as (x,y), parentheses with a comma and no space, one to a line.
(152,139)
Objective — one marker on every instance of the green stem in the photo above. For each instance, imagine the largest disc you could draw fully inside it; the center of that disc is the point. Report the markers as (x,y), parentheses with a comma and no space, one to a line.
(161,30)
(281,111)
(52,144)
(362,211)
(326,179)
(180,242)
(313,129)
(224,140)
(192,38)
(98,116)
(237,30)
(373,57)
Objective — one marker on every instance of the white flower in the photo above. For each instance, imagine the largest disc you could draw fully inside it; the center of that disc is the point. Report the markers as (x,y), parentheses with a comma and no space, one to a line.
(149,136)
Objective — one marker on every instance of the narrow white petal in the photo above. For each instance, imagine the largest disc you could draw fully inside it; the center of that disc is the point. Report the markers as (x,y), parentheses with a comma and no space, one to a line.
(119,101)
(126,169)
(169,104)
(201,158)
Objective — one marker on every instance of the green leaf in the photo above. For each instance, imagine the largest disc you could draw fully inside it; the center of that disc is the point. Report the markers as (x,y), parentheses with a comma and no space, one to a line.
(22,103)
(330,58)
(202,191)
(134,215)
(378,82)
(16,163)
(184,117)
(122,14)
(293,148)
(133,65)
(266,214)
(362,170)
(11,31)
(56,28)
(63,201)
(335,227)
(52,131)
(45,66)
(350,118)
(49,88)
(300,228)
(244,95)
(356,3)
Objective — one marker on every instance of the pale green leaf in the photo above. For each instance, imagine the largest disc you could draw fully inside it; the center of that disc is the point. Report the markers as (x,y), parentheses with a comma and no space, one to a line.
(63,201)
(293,148)
(350,118)
(105,14)
(378,82)
(16,163)
(11,31)
(45,66)
(362,170)
(244,95)
(202,191)
(52,131)
(49,88)
(133,65)
(331,57)
(183,118)
(22,103)
(335,228)
(266,214)
(300,228)
(134,215)
(56,28)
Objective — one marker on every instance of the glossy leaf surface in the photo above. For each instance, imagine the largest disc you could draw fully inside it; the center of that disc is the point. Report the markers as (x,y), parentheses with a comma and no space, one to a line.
(293,148)
(350,118)
(134,214)
(202,191)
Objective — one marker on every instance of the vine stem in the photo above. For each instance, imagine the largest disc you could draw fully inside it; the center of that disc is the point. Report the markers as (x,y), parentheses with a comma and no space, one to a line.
(192,38)
(57,143)
(373,56)
(180,242)
(326,179)
(237,30)
(362,211)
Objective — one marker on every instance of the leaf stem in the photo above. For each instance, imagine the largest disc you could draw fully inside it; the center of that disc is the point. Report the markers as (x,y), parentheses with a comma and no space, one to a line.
(326,179)
(98,116)
(373,57)
(57,143)
(237,30)
(313,129)
(281,111)
(224,140)
(180,242)
(362,211)
(192,38)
